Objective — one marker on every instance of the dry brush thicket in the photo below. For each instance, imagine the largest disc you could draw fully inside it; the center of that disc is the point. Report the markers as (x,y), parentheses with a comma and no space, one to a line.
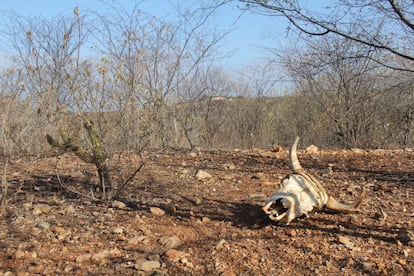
(151,85)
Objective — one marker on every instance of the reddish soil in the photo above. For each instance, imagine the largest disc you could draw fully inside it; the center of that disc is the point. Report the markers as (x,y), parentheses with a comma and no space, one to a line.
(213,226)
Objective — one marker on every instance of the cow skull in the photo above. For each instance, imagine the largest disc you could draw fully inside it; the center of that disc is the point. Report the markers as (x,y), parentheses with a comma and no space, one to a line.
(300,192)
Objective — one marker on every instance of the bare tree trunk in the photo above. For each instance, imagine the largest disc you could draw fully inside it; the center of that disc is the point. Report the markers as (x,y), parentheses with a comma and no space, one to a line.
(408,122)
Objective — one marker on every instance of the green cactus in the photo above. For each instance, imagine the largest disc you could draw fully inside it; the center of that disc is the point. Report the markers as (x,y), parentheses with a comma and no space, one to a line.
(97,155)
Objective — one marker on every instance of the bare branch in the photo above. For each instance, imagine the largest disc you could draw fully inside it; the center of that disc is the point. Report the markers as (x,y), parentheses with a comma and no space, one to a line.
(398,10)
(325,24)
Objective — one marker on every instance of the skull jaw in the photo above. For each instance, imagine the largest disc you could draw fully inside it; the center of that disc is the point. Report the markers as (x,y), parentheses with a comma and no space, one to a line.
(282,207)
(276,210)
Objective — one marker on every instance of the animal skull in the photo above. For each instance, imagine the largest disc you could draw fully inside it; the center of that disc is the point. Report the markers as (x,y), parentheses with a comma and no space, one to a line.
(300,192)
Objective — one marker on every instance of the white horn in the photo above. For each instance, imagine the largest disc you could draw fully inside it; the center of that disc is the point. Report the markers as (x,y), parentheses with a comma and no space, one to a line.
(335,205)
(294,161)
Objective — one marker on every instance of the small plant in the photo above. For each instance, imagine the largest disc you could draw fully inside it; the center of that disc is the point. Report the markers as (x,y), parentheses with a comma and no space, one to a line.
(96,156)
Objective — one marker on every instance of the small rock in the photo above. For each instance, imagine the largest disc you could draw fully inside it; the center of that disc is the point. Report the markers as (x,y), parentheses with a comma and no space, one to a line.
(278,148)
(346,241)
(154,257)
(58,229)
(105,254)
(206,219)
(176,198)
(228,272)
(161,200)
(383,187)
(19,254)
(197,201)
(36,268)
(43,225)
(98,257)
(258,176)
(68,268)
(193,154)
(32,256)
(169,208)
(268,183)
(229,166)
(405,236)
(64,234)
(157,272)
(174,255)
(97,214)
(117,231)
(27,205)
(157,211)
(402,262)
(137,240)
(41,209)
(227,176)
(381,215)
(135,243)
(200,175)
(170,242)
(186,262)
(368,266)
(118,204)
(148,265)
(220,244)
(292,233)
(357,151)
(115,253)
(312,149)
(309,246)
(185,171)
(83,258)
(69,209)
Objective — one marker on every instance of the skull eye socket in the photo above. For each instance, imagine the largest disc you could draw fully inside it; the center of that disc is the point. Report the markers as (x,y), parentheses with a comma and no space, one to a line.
(277,208)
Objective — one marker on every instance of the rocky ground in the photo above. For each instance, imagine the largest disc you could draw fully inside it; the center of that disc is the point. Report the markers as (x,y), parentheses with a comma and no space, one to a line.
(175,220)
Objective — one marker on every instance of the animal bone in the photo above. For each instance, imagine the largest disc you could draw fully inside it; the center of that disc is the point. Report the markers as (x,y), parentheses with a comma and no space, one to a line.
(300,192)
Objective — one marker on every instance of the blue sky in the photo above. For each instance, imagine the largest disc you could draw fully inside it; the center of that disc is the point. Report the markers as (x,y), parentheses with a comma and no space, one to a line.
(251,34)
